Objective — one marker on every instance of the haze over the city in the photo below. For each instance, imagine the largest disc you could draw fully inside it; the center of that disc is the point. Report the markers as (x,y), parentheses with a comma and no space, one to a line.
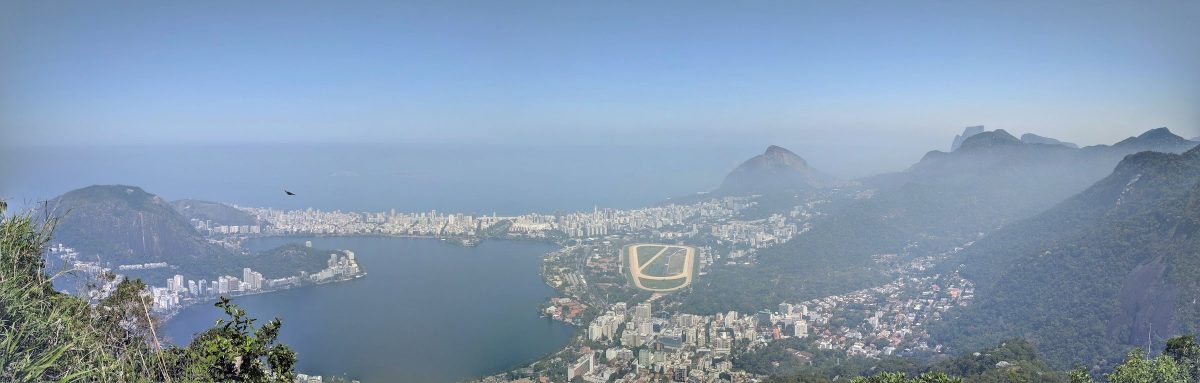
(526,191)
(824,79)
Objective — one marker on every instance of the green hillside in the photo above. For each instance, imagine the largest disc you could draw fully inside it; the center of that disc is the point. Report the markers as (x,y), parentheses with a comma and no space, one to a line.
(1113,267)
(943,201)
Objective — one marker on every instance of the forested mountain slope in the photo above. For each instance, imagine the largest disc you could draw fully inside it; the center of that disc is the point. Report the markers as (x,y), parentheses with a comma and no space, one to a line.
(944,200)
(1115,266)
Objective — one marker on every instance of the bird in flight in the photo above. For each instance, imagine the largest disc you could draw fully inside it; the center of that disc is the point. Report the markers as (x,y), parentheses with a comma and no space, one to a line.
(288,192)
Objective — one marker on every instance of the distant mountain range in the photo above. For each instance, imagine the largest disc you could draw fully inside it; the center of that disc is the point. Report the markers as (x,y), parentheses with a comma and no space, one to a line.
(944,200)
(976,153)
(1112,267)
(994,178)
(776,170)
(1028,138)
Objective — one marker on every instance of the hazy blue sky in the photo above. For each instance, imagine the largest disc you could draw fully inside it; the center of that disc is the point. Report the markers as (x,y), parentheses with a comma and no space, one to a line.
(790,72)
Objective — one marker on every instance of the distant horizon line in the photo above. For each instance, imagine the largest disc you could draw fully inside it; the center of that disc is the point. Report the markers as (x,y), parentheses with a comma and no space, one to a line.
(493,142)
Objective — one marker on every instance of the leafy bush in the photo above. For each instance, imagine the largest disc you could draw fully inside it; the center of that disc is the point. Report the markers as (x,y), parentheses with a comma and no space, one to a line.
(50,336)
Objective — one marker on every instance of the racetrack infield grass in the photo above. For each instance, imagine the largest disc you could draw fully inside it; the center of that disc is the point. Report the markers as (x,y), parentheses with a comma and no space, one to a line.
(663,284)
(646,252)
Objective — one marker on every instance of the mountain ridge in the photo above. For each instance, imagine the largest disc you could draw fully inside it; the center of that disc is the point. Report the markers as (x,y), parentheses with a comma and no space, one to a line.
(942,201)
(216,212)
(986,140)
(1154,137)
(775,170)
(1100,271)
(967,133)
(1030,138)
(123,222)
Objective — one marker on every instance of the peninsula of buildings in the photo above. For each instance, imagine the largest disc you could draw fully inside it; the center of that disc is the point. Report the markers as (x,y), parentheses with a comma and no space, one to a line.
(180,291)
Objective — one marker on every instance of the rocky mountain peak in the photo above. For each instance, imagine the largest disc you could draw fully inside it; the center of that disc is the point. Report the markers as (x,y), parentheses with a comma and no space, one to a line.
(776,170)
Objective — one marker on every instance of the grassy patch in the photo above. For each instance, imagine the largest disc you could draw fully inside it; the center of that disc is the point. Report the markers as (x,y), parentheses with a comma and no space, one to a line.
(669,264)
(645,252)
(676,263)
(663,284)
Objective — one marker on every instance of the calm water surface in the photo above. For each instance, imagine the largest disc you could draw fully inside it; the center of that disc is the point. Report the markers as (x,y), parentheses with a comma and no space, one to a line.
(428,311)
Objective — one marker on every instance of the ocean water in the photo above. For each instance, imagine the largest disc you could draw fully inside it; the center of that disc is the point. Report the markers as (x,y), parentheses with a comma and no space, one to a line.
(475,178)
(427,311)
